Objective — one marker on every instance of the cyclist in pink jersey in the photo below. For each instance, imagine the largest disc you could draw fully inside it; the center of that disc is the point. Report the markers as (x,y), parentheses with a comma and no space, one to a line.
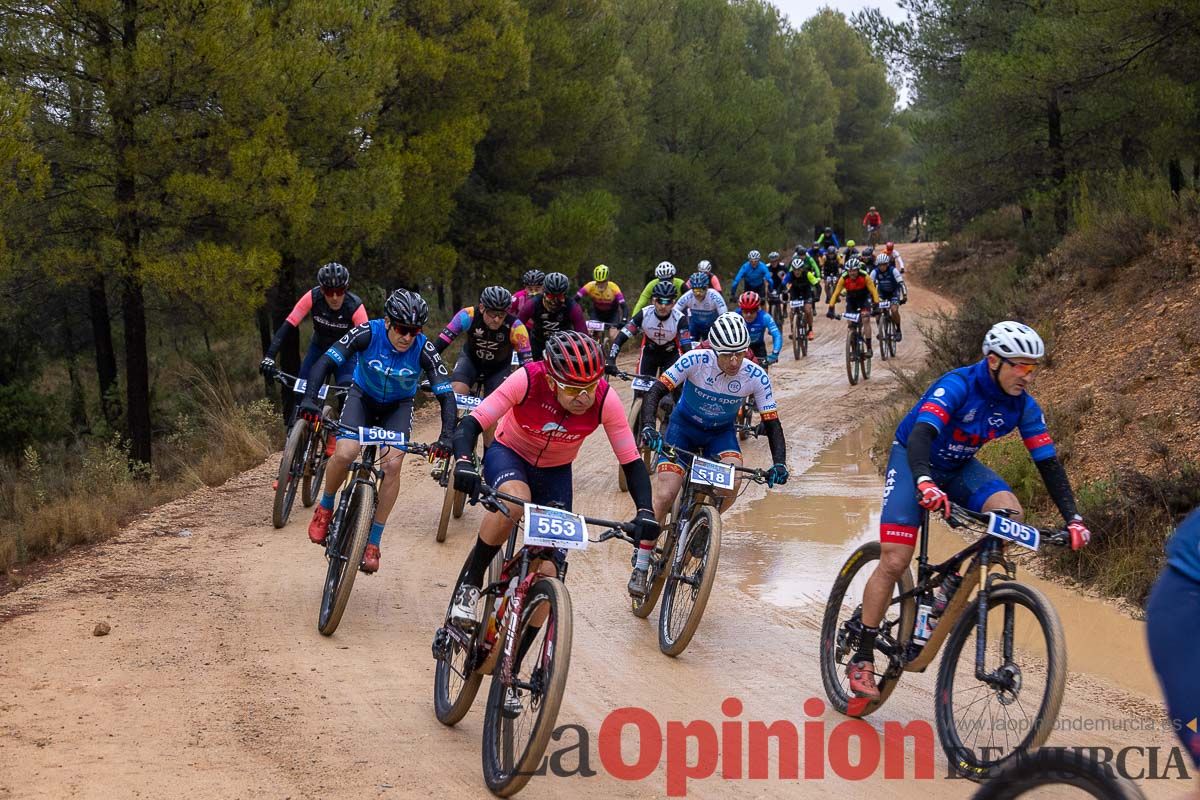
(544,412)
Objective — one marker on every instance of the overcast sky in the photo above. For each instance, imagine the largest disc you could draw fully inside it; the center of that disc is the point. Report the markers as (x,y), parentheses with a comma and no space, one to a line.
(799,10)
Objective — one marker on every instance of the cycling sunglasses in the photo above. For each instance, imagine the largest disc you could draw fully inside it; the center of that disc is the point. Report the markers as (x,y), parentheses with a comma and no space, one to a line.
(571,390)
(332,292)
(560,298)
(406,330)
(1021,369)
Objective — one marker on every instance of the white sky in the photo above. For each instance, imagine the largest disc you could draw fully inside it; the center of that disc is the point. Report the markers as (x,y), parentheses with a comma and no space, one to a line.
(799,10)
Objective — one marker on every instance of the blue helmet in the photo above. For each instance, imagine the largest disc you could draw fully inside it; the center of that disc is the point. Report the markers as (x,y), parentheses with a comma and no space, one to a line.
(699,280)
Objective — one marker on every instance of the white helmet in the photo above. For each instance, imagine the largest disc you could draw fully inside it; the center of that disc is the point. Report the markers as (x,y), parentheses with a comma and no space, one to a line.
(704,266)
(1013,340)
(729,333)
(754,255)
(664,271)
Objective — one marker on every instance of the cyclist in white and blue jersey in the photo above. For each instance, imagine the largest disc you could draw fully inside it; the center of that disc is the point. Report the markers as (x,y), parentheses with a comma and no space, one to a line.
(392,354)
(714,381)
(702,305)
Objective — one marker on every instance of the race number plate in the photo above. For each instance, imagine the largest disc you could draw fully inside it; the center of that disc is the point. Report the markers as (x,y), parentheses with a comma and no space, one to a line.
(553,527)
(466,402)
(850,316)
(796,303)
(302,387)
(595,325)
(642,384)
(1013,531)
(885,303)
(712,473)
(515,361)
(380,436)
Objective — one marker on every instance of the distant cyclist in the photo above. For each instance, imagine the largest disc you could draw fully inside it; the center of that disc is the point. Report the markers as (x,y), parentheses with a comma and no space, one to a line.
(804,284)
(828,239)
(860,292)
(702,304)
(392,353)
(608,303)
(706,267)
(663,333)
(715,381)
(932,463)
(493,334)
(753,275)
(759,323)
(890,287)
(532,282)
(665,271)
(872,222)
(550,312)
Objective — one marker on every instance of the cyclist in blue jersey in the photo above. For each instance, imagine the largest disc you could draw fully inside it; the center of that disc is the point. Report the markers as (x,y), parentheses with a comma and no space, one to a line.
(759,322)
(933,462)
(702,304)
(392,354)
(753,273)
(828,238)
(1173,631)
(715,381)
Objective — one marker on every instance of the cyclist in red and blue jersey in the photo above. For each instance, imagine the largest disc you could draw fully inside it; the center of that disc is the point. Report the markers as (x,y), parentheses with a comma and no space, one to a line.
(1173,631)
(334,309)
(933,462)
(392,354)
(759,323)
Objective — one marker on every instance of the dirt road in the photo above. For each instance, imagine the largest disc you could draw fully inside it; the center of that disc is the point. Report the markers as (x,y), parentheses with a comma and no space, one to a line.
(214,682)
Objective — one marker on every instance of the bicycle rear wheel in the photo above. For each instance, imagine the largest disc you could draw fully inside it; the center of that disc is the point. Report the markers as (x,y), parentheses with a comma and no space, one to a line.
(884,329)
(690,581)
(1033,776)
(984,724)
(864,357)
(842,626)
(513,744)
(352,532)
(796,334)
(456,678)
(291,471)
(851,359)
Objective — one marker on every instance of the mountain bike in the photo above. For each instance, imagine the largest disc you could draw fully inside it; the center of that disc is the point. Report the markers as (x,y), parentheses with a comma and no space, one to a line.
(799,328)
(887,331)
(873,235)
(350,527)
(524,641)
(1019,666)
(642,384)
(684,575)
(1029,774)
(598,330)
(858,357)
(305,454)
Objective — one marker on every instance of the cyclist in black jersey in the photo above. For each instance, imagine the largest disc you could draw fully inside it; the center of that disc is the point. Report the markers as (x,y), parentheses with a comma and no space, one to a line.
(550,312)
(492,336)
(663,333)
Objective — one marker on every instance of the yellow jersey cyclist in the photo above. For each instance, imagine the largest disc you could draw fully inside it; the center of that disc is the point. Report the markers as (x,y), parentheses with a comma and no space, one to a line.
(392,352)
(860,292)
(715,380)
(608,303)
(665,271)
(493,334)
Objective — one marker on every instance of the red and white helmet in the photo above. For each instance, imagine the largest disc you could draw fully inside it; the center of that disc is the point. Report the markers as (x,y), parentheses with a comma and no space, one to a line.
(572,357)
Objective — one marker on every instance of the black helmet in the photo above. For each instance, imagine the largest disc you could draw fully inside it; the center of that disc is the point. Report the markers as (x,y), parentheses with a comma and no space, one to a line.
(664,290)
(495,298)
(556,283)
(407,308)
(333,276)
(533,277)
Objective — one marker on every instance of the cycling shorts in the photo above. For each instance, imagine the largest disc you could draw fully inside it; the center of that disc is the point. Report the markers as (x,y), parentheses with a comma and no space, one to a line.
(468,371)
(654,361)
(612,316)
(546,484)
(362,411)
(713,445)
(759,349)
(857,301)
(900,518)
(805,291)
(1173,632)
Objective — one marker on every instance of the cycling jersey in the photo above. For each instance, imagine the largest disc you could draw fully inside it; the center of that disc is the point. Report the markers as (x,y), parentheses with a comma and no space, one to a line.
(887,280)
(328,325)
(825,238)
(831,266)
(385,374)
(711,399)
(701,313)
(756,277)
(1183,548)
(490,349)
(872,219)
(968,410)
(542,323)
(645,298)
(658,333)
(606,297)
(762,324)
(779,275)
(856,288)
(534,425)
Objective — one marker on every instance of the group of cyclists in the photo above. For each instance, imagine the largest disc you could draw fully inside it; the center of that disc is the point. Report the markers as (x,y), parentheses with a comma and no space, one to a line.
(542,379)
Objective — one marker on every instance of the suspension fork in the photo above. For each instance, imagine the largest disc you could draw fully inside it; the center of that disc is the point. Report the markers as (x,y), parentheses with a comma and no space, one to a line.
(981,609)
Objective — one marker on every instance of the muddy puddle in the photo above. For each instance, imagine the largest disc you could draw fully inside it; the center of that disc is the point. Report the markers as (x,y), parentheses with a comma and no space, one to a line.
(786,547)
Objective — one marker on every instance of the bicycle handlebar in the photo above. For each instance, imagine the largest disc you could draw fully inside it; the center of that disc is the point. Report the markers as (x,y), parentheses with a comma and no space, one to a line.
(415,448)
(672,452)
(290,382)
(488,496)
(961,516)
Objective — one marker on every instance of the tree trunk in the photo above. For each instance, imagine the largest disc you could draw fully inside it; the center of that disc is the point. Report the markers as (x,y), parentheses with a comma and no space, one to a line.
(288,357)
(1175,175)
(78,401)
(1058,163)
(137,368)
(262,318)
(106,358)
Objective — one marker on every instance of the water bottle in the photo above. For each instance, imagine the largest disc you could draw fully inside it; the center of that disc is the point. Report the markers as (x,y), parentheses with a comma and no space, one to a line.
(944,592)
(925,623)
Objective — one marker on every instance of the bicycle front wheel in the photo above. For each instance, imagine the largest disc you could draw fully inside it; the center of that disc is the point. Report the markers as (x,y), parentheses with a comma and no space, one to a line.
(291,472)
(982,724)
(660,565)
(352,532)
(514,741)
(447,504)
(797,332)
(456,678)
(851,360)
(865,357)
(692,572)
(1033,776)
